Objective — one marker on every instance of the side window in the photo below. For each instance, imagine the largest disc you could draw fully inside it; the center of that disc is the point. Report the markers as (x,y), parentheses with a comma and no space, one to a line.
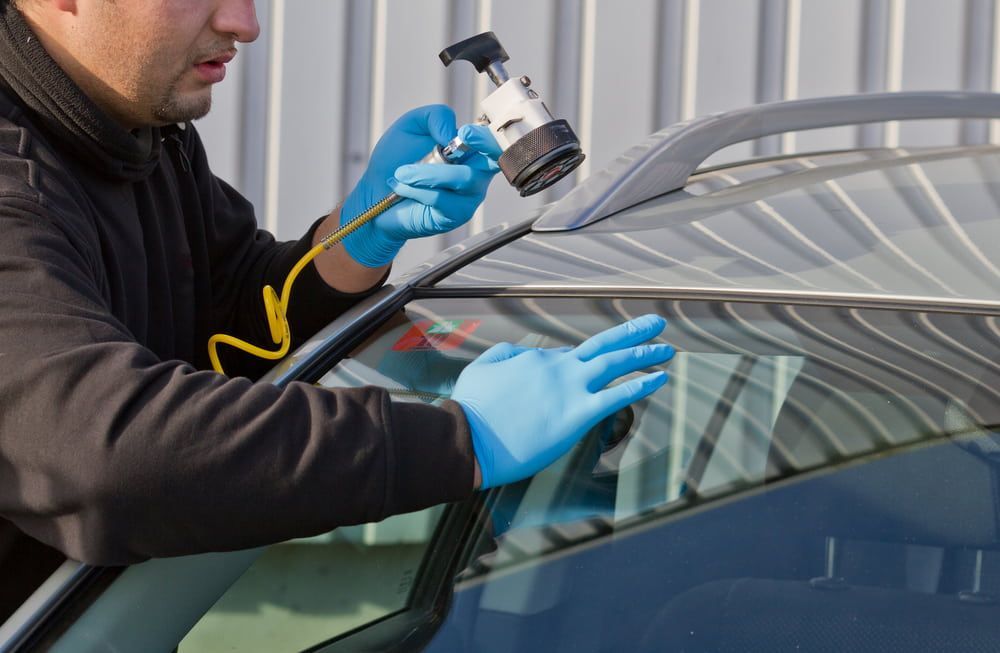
(303,592)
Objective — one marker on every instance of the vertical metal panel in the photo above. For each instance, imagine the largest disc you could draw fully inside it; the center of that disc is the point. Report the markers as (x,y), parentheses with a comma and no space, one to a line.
(309,140)
(463,23)
(727,55)
(977,63)
(932,60)
(894,61)
(669,54)
(407,73)
(772,29)
(793,47)
(874,64)
(995,67)
(689,73)
(727,62)
(564,65)
(253,150)
(276,49)
(829,63)
(356,95)
(585,107)
(883,39)
(461,90)
(621,112)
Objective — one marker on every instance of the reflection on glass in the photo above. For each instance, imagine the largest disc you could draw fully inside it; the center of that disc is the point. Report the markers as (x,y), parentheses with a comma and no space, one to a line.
(901,224)
(303,592)
(797,451)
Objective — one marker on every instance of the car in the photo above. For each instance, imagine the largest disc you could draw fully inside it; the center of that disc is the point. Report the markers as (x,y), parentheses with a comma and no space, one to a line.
(821,473)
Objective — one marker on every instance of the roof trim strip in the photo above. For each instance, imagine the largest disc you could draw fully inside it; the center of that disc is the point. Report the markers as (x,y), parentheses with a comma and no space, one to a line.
(664,161)
(753,295)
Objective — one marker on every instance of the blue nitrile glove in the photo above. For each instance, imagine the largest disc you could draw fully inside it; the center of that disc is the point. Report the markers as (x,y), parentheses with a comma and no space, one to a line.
(527,407)
(441,196)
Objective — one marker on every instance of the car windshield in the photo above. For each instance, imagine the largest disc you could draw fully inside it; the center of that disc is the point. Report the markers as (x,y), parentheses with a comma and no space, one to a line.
(882,222)
(797,451)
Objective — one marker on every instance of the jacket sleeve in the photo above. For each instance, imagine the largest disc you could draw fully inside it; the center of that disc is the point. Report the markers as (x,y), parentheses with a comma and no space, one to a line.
(243,259)
(114,456)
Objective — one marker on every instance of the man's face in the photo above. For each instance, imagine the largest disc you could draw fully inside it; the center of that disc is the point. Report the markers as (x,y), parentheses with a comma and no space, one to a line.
(153,62)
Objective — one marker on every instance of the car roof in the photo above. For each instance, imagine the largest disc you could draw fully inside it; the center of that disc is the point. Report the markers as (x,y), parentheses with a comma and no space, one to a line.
(891,225)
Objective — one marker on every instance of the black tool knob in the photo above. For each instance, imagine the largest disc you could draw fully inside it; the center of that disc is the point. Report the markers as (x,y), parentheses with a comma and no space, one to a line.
(480,50)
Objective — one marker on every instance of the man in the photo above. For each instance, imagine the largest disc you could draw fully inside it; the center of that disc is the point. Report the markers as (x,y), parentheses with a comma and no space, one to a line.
(121,254)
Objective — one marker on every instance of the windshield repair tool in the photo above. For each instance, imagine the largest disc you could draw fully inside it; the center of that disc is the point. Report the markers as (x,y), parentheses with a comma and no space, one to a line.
(538,151)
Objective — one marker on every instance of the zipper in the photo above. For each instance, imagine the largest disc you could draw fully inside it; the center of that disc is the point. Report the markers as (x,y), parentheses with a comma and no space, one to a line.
(184,160)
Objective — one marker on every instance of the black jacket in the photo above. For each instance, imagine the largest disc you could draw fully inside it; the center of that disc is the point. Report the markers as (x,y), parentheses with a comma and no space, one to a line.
(120,254)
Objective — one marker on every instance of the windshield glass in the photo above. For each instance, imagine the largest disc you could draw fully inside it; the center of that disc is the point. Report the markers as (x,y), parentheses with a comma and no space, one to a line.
(796,450)
(893,223)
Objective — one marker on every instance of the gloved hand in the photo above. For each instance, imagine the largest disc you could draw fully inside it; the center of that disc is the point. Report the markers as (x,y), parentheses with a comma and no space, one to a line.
(527,407)
(441,196)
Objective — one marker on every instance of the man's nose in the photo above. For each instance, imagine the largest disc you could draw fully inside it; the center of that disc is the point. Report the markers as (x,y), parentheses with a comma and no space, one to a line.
(238,18)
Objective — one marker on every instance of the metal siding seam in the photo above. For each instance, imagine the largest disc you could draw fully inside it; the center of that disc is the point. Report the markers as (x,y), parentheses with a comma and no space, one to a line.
(976,64)
(564,71)
(272,179)
(588,46)
(689,76)
(771,57)
(460,90)
(995,71)
(894,62)
(252,149)
(379,43)
(357,93)
(670,61)
(484,19)
(872,63)
(793,38)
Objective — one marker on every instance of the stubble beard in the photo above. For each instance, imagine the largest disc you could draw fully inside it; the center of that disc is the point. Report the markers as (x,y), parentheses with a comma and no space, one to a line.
(172,107)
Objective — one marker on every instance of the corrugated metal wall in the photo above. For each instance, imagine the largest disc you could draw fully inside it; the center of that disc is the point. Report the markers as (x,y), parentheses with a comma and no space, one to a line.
(293,125)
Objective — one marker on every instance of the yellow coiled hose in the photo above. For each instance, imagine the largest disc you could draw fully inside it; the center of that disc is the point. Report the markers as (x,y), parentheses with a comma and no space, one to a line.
(277,309)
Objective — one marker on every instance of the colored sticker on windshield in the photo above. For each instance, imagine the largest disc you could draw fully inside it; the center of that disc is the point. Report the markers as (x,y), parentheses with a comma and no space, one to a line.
(427,335)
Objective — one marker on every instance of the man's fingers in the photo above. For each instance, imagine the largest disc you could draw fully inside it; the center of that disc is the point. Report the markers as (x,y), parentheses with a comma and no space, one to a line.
(614,399)
(459,178)
(631,333)
(442,210)
(483,149)
(608,367)
(482,163)
(427,197)
(480,139)
(500,352)
(437,120)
